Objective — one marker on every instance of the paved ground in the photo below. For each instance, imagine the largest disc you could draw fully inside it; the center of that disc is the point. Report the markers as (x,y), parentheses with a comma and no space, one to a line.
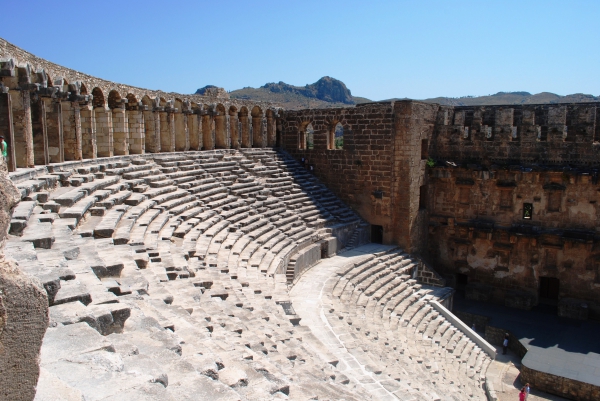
(306,297)
(560,346)
(504,374)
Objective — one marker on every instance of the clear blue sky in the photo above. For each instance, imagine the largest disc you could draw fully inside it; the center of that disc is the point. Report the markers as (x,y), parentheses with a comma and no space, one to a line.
(380,49)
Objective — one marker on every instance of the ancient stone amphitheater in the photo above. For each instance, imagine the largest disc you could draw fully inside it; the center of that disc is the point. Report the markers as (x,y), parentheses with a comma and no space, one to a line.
(184,256)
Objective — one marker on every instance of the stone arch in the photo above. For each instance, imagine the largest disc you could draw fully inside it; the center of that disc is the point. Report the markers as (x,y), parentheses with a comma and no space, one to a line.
(245,127)
(257,127)
(181,131)
(99,100)
(234,129)
(335,135)
(304,129)
(221,137)
(83,88)
(132,102)
(114,99)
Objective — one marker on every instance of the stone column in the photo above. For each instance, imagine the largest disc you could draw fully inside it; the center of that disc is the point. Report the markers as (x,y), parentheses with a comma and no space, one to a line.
(71,123)
(120,126)
(135,119)
(181,135)
(104,131)
(234,130)
(270,130)
(6,125)
(246,131)
(257,131)
(22,128)
(208,132)
(54,129)
(167,131)
(40,136)
(194,123)
(89,146)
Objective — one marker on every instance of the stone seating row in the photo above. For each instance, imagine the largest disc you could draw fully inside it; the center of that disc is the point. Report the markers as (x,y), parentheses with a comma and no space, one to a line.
(171,294)
(384,313)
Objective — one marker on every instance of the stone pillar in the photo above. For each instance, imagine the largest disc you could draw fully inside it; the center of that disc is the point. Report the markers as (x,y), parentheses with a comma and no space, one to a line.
(181,136)
(135,119)
(120,126)
(22,129)
(270,130)
(167,131)
(246,128)
(208,132)
(71,123)
(104,131)
(6,125)
(54,129)
(152,130)
(257,131)
(89,146)
(194,123)
(234,130)
(40,136)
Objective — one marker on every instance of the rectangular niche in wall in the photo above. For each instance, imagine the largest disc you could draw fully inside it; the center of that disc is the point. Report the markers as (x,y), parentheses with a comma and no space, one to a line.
(527,211)
(554,201)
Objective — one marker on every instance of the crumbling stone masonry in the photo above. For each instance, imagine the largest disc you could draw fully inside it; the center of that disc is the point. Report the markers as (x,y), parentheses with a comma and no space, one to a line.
(508,202)
(23,314)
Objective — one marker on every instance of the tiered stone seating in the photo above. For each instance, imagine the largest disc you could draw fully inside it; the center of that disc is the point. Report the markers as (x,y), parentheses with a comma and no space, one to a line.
(383,312)
(169,272)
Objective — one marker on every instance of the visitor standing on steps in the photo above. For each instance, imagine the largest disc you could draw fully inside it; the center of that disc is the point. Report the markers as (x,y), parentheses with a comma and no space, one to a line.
(4,150)
(505,344)
(527,391)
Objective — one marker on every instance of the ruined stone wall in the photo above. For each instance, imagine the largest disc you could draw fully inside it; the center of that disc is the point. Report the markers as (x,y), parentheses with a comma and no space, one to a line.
(381,167)
(524,134)
(477,228)
(23,314)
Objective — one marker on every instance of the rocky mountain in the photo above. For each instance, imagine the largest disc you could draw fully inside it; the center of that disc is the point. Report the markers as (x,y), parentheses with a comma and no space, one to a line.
(509,98)
(326,92)
(330,92)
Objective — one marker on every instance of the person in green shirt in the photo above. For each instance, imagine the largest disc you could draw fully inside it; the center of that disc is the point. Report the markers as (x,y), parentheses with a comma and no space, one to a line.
(4,149)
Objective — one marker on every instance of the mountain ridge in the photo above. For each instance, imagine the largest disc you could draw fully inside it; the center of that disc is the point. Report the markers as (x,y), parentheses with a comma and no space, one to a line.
(330,92)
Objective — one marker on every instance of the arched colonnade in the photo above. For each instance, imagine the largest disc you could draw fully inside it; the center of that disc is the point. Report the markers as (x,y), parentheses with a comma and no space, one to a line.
(47,120)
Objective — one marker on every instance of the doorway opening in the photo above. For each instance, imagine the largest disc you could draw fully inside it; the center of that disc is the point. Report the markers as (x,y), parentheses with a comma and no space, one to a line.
(376,234)
(549,287)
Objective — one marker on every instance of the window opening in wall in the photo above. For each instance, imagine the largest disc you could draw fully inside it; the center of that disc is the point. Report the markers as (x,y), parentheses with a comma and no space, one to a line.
(424,149)
(549,287)
(302,138)
(338,136)
(310,137)
(423,197)
(376,234)
(527,211)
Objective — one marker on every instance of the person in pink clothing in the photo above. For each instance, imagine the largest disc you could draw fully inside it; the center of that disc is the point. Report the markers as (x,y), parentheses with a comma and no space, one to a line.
(522,394)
